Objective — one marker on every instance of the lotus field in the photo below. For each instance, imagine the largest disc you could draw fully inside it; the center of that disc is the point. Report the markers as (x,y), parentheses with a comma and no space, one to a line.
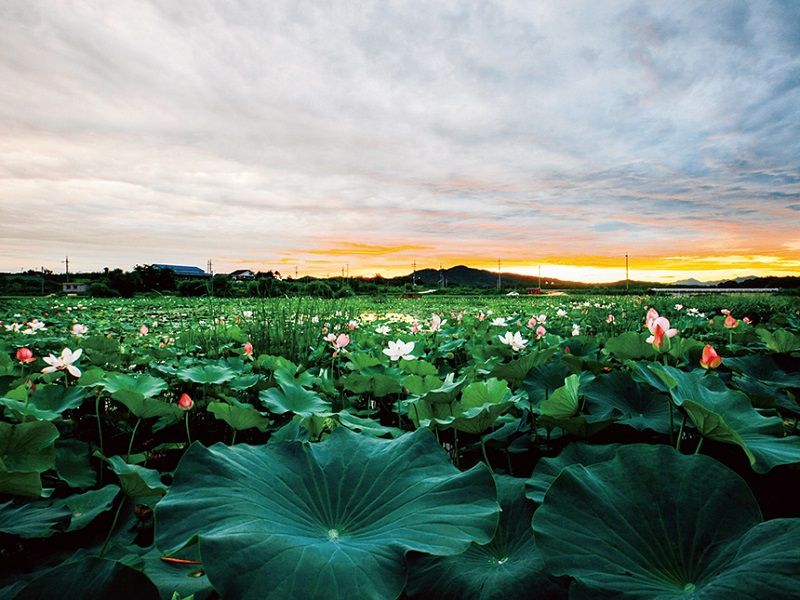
(465,448)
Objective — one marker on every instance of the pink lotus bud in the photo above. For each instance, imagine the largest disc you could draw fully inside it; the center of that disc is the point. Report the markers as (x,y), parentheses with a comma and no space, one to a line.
(185,402)
(25,355)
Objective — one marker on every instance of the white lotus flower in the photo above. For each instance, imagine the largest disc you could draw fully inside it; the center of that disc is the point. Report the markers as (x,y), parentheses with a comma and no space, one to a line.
(36,325)
(63,362)
(15,327)
(499,322)
(78,329)
(383,330)
(576,329)
(561,312)
(400,349)
(516,341)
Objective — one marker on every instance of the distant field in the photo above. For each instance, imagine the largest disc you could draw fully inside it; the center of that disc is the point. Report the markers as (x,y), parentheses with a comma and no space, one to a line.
(180,445)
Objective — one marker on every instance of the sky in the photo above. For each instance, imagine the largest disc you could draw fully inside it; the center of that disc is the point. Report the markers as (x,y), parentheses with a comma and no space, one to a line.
(296,135)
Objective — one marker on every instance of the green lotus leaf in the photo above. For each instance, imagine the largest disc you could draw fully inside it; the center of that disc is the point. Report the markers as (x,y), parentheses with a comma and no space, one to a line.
(73,465)
(56,398)
(418,385)
(630,345)
(135,481)
(508,567)
(358,361)
(207,374)
(481,403)
(186,580)
(89,577)
(779,340)
(85,508)
(542,381)
(516,370)
(616,396)
(239,416)
(245,382)
(27,447)
(419,367)
(579,453)
(293,398)
(563,402)
(146,385)
(31,519)
(682,527)
(328,520)
(25,411)
(144,407)
(21,484)
(366,425)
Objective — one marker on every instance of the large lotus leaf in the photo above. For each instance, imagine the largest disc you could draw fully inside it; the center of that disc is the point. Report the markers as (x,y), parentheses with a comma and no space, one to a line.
(542,381)
(239,416)
(630,345)
(655,524)
(419,367)
(27,447)
(56,398)
(146,385)
(516,370)
(21,484)
(31,519)
(73,465)
(89,577)
(418,385)
(290,376)
(563,402)
(26,411)
(293,398)
(207,374)
(170,577)
(616,396)
(727,416)
(136,481)
(144,407)
(507,568)
(328,520)
(779,340)
(481,403)
(245,382)
(84,508)
(366,425)
(579,453)
(447,392)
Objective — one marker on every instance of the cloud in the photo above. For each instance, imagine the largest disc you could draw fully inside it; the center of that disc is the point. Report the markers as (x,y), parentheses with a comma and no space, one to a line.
(158,132)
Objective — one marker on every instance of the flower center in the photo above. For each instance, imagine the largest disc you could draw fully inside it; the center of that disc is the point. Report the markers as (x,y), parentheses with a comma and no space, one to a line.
(333,535)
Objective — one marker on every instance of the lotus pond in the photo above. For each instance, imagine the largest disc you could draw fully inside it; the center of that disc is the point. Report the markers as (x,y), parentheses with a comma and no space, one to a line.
(530,447)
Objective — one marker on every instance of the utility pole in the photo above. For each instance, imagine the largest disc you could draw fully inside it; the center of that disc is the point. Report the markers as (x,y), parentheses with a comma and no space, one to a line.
(414,273)
(42,280)
(627,279)
(540,277)
(209,268)
(347,272)
(295,271)
(66,269)
(441,277)
(499,277)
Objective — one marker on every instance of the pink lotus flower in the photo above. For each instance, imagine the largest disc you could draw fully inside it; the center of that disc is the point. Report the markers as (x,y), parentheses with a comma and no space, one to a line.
(660,328)
(185,402)
(540,332)
(144,330)
(352,325)
(532,322)
(330,338)
(324,330)
(247,349)
(730,322)
(610,318)
(436,323)
(481,316)
(542,318)
(25,355)
(63,362)
(339,343)
(725,311)
(415,327)
(652,315)
(78,329)
(460,317)
(747,320)
(710,358)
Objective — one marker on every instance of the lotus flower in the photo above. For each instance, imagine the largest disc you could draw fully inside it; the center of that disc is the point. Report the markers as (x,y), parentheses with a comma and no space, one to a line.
(610,318)
(383,330)
(659,328)
(78,329)
(63,362)
(436,322)
(542,318)
(415,327)
(339,343)
(730,322)
(144,330)
(516,341)
(185,402)
(247,349)
(14,327)
(36,325)
(481,316)
(352,325)
(540,332)
(561,312)
(710,358)
(25,355)
(399,349)
(499,322)
(576,329)
(330,338)
(747,320)
(651,317)
(532,322)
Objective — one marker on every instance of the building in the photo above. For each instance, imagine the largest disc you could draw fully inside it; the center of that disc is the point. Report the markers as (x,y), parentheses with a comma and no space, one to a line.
(243,275)
(183,271)
(75,288)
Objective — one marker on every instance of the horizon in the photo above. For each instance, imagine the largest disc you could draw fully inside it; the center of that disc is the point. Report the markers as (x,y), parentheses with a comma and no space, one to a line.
(270,137)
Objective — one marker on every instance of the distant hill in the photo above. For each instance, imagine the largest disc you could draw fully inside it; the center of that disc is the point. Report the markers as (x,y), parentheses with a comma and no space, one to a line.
(697,283)
(469,277)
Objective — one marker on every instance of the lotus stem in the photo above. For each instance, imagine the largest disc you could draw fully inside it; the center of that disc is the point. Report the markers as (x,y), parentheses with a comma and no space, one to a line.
(680,434)
(99,431)
(485,456)
(113,526)
(671,423)
(699,445)
(133,435)
(186,422)
(233,438)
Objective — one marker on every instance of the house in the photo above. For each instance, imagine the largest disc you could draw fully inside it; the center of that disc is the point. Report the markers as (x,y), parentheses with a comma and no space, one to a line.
(183,271)
(75,288)
(242,275)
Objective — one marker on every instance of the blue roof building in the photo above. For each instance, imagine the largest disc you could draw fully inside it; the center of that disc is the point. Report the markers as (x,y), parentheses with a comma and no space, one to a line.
(183,271)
